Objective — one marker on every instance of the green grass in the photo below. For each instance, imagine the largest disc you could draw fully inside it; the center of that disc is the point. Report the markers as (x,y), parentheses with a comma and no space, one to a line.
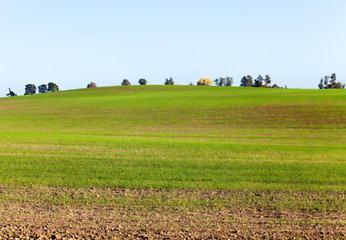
(176,137)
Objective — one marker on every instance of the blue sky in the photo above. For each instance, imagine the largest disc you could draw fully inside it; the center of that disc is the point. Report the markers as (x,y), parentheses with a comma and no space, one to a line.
(74,42)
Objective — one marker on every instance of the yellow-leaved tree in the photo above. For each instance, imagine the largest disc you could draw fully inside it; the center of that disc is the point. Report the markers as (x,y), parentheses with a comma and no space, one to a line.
(205,81)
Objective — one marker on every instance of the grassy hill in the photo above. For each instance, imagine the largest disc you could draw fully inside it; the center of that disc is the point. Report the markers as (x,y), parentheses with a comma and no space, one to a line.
(176,137)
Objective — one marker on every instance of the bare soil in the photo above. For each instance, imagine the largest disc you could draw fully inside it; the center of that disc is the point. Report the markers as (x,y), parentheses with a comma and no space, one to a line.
(29,219)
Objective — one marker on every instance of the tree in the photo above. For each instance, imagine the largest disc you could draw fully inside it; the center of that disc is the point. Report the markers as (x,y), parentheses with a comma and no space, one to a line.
(220,81)
(326,79)
(320,85)
(258,81)
(332,80)
(226,81)
(205,81)
(267,80)
(324,84)
(42,88)
(126,82)
(333,83)
(246,81)
(52,87)
(142,81)
(169,81)
(11,93)
(91,85)
(30,89)
(229,81)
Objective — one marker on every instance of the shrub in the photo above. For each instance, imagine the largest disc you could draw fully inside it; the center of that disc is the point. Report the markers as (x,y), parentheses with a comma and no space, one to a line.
(91,85)
(11,93)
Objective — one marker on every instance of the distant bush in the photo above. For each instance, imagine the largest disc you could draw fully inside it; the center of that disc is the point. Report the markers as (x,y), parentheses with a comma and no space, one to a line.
(142,81)
(11,93)
(125,82)
(91,85)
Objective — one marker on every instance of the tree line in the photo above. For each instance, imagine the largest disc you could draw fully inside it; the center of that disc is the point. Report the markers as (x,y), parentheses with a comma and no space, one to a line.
(327,82)
(31,89)
(246,81)
(141,81)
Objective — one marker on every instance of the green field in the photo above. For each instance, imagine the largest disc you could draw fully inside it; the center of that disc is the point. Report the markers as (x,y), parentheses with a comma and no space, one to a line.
(176,137)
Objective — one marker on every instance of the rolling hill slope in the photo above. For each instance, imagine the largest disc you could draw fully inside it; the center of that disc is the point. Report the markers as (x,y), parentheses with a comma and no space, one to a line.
(176,137)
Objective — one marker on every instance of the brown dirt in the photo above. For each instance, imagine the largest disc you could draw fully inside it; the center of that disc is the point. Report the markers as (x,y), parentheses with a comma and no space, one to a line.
(41,219)
(59,222)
